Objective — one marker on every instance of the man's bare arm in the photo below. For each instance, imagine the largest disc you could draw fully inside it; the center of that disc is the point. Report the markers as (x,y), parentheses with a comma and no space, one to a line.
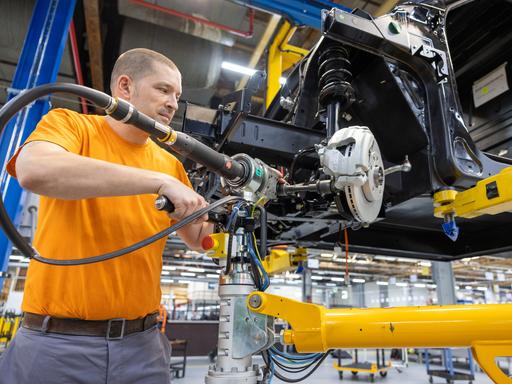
(48,169)
(193,234)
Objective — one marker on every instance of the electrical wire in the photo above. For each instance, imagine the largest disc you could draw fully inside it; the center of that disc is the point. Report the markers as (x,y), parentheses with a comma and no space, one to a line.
(264,274)
(262,280)
(345,231)
(263,232)
(290,368)
(304,356)
(230,228)
(232,216)
(256,278)
(296,157)
(280,363)
(272,361)
(257,251)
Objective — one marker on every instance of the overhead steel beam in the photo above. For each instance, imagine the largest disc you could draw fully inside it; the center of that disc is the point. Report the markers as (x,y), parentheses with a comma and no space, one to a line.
(298,12)
(38,64)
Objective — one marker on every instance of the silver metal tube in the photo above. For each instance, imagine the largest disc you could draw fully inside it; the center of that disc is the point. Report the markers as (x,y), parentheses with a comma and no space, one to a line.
(234,359)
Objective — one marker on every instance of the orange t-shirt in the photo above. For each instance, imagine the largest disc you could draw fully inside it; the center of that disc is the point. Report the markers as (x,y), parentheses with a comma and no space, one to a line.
(125,287)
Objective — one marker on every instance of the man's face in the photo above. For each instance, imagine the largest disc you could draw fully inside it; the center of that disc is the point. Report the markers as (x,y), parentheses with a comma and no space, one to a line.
(157,94)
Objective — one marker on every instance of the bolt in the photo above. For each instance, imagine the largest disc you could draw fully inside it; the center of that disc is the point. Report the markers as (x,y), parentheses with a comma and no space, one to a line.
(378,177)
(394,28)
(255,301)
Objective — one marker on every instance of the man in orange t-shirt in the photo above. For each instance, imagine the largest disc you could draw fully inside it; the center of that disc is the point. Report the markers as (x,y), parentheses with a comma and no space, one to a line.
(98,179)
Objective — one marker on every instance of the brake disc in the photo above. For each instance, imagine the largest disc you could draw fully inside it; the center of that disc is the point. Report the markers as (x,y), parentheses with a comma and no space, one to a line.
(352,157)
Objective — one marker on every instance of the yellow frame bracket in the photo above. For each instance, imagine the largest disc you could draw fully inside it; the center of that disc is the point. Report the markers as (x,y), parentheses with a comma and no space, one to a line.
(305,319)
(490,196)
(280,260)
(486,353)
(281,57)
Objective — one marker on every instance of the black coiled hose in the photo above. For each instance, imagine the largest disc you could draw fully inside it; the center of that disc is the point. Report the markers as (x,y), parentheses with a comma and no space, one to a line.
(14,106)
(119,109)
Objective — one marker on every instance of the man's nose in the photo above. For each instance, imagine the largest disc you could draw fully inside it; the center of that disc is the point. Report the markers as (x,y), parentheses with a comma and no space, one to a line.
(172,103)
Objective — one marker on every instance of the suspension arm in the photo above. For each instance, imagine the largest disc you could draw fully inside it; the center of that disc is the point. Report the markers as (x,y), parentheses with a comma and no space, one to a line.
(487,329)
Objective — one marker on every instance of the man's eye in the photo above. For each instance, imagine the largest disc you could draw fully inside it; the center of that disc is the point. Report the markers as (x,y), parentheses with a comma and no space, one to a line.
(163,90)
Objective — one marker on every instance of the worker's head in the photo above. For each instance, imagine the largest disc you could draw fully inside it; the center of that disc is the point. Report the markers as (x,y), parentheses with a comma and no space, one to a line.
(148,80)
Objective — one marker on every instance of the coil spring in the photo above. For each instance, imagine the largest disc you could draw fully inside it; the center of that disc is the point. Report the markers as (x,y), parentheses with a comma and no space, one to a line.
(335,76)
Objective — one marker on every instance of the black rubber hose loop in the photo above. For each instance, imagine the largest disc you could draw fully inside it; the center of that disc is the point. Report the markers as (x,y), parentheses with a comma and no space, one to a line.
(104,101)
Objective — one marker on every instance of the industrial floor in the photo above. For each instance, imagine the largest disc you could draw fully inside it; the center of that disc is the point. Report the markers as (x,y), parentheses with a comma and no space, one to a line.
(413,374)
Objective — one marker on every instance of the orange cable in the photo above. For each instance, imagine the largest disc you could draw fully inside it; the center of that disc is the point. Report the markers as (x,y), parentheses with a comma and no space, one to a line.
(346,255)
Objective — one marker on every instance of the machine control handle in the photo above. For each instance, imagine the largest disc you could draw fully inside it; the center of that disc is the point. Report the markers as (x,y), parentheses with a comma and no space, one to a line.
(162,203)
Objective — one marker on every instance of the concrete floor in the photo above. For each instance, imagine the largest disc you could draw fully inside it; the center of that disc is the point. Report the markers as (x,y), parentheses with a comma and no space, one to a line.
(326,374)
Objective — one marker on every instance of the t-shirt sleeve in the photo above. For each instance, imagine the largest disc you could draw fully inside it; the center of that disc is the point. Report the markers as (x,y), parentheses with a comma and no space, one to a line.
(59,126)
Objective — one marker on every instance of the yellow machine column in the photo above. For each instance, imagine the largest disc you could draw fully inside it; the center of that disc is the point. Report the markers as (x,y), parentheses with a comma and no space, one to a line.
(281,56)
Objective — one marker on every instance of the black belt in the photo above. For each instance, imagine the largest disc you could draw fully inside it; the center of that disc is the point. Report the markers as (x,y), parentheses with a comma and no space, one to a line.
(113,329)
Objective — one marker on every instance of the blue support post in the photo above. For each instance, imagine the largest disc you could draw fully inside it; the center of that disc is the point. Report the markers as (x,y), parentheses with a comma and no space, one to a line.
(38,64)
(299,12)
(448,357)
(472,364)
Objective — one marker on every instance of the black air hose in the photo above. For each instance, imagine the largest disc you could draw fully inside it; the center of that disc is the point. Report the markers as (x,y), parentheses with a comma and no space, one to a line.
(120,110)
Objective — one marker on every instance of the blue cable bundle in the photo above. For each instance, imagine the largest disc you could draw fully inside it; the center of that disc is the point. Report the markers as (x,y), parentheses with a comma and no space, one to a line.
(294,357)
(291,363)
(266,280)
(234,214)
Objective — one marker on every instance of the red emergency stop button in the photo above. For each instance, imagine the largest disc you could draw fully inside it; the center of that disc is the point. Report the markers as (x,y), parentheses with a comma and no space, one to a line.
(209,243)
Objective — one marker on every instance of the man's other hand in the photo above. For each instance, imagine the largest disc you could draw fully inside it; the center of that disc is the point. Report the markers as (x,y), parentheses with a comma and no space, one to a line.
(185,200)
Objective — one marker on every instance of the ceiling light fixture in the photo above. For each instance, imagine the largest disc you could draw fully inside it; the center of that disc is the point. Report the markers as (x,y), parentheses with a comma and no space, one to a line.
(245,70)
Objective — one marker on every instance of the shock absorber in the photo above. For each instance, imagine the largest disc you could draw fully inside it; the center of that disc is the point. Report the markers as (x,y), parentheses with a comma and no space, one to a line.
(336,92)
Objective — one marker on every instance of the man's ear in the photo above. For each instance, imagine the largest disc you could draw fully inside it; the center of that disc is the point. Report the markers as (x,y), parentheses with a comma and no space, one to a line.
(124,87)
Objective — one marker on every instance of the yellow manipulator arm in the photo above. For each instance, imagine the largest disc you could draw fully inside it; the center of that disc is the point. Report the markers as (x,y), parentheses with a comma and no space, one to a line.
(487,329)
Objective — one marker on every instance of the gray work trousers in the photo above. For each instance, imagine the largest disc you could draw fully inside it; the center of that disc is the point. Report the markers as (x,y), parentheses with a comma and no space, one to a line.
(35,357)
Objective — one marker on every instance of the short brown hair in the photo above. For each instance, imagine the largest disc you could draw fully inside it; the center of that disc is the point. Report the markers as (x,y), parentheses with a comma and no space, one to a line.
(137,63)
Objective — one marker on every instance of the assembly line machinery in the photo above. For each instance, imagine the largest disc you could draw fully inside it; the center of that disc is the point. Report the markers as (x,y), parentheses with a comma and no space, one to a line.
(389,83)
(367,128)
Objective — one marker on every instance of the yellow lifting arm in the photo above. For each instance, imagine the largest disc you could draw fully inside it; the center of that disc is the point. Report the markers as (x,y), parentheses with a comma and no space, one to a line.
(489,196)
(281,56)
(487,329)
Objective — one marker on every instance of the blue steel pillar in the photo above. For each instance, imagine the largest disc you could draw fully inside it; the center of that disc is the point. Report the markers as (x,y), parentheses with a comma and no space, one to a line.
(38,64)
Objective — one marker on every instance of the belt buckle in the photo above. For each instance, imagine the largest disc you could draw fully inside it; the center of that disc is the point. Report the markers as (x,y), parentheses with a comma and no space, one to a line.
(109,329)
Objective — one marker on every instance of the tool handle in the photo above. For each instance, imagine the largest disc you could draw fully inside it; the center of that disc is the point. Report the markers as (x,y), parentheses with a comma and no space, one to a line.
(162,203)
